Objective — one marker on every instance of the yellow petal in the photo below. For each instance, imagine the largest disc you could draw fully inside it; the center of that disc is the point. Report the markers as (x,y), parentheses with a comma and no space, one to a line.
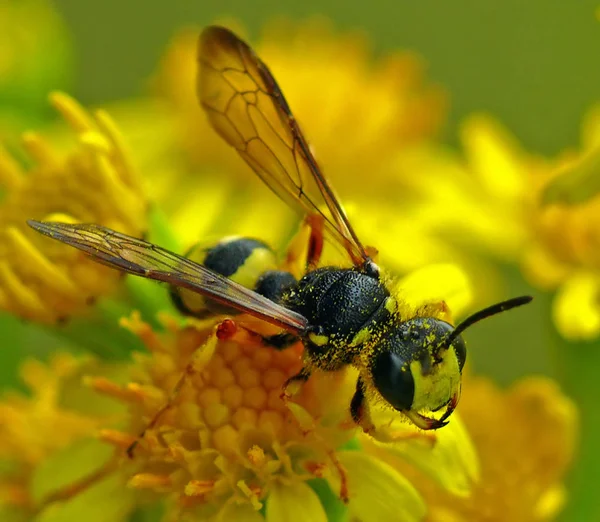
(542,269)
(377,491)
(440,282)
(576,311)
(579,180)
(590,132)
(452,459)
(295,502)
(494,155)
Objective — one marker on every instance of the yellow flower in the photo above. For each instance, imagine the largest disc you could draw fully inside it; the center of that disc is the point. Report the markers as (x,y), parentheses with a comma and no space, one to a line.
(93,183)
(57,415)
(525,438)
(330,83)
(230,448)
(536,212)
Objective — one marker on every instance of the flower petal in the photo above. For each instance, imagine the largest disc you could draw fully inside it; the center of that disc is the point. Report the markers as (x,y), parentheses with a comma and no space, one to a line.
(295,502)
(575,309)
(377,491)
(440,282)
(452,460)
(494,155)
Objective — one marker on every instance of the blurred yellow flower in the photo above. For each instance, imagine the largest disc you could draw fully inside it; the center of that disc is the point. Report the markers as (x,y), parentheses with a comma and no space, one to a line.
(57,416)
(525,438)
(331,83)
(229,447)
(566,253)
(539,213)
(39,279)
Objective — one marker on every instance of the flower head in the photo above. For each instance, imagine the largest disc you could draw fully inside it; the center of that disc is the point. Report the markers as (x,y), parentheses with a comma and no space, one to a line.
(229,443)
(220,441)
(58,414)
(525,438)
(41,280)
(539,213)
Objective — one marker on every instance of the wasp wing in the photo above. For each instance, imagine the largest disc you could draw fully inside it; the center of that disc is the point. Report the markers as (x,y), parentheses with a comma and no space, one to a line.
(144,259)
(248,110)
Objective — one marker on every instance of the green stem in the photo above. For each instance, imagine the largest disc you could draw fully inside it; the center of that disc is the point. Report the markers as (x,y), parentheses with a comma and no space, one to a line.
(336,510)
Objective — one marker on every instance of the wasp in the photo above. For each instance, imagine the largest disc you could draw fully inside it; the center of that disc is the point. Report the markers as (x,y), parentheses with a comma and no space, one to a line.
(343,315)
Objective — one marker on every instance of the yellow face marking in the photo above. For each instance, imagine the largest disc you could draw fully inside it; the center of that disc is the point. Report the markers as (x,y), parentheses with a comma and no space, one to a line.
(319,340)
(439,386)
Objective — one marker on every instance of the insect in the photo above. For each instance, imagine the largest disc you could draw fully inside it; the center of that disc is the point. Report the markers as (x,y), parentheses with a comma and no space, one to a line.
(343,315)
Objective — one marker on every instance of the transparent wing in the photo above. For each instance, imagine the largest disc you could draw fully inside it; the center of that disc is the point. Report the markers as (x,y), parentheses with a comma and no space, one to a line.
(144,259)
(247,108)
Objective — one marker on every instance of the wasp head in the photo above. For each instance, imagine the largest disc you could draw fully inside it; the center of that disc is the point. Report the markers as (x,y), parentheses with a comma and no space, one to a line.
(416,373)
(418,366)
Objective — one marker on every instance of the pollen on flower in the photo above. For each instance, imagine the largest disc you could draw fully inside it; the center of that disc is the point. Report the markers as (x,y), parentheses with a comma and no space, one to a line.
(43,280)
(227,431)
(220,433)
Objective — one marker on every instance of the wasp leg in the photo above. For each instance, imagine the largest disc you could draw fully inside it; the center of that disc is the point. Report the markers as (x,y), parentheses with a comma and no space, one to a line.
(315,242)
(280,341)
(304,252)
(295,381)
(359,408)
(231,331)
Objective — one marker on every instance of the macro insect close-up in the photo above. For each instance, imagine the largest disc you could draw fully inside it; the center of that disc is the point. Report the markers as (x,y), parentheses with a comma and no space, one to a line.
(342,315)
(195,347)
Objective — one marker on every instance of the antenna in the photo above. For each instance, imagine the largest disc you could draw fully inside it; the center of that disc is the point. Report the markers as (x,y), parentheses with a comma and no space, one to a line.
(494,309)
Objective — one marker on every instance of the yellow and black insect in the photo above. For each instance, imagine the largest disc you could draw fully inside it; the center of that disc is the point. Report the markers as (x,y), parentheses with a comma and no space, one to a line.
(343,316)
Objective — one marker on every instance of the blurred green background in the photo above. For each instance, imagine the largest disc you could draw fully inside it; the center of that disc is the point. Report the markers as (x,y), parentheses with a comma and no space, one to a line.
(533,64)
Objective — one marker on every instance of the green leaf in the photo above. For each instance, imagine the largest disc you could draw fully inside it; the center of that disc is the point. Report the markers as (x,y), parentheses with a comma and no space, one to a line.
(106,500)
(13,514)
(64,468)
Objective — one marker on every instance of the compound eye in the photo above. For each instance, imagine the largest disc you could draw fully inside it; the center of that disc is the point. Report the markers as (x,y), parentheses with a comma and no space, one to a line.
(393,379)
